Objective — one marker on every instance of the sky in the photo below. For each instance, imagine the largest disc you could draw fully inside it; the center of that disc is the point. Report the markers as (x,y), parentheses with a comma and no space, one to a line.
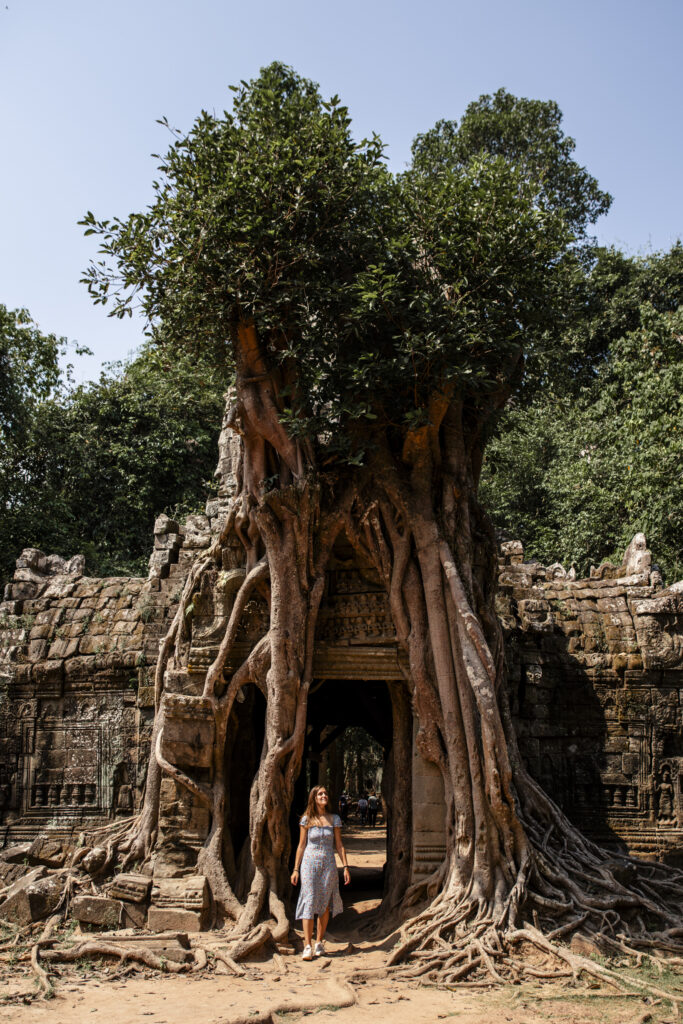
(82,85)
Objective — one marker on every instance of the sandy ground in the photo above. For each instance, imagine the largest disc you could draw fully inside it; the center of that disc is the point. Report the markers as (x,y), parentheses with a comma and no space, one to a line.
(318,989)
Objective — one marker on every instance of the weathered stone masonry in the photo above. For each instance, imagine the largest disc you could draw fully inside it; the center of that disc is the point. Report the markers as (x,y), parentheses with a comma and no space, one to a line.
(595,670)
(596,681)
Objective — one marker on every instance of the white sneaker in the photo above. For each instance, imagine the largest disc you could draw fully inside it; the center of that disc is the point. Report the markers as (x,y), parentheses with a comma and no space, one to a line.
(319,949)
(307,953)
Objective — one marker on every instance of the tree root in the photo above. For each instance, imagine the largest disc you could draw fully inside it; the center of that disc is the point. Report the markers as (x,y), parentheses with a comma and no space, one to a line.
(345,998)
(100,947)
(229,962)
(46,986)
(481,955)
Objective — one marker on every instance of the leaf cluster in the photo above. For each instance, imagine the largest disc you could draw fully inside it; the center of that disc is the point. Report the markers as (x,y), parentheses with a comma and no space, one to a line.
(372,291)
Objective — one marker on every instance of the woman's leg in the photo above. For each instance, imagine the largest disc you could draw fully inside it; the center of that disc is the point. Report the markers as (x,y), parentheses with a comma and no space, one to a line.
(322,924)
(308,930)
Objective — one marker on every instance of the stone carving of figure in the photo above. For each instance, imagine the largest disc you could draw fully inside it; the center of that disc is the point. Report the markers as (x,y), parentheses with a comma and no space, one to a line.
(665,793)
(637,558)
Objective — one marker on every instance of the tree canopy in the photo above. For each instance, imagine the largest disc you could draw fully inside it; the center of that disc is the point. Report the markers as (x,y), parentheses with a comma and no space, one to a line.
(382,290)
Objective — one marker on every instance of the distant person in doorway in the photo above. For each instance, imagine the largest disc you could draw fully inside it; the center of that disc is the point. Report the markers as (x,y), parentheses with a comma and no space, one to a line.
(319,836)
(373,807)
(343,806)
(363,808)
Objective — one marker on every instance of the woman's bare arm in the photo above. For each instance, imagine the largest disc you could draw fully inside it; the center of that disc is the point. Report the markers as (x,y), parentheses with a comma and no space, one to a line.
(298,857)
(342,853)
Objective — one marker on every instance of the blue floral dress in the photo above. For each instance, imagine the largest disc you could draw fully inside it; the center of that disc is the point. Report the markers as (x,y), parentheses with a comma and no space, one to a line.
(319,879)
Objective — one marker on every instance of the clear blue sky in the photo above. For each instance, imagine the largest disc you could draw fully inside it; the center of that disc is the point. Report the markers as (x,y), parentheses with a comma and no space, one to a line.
(82,84)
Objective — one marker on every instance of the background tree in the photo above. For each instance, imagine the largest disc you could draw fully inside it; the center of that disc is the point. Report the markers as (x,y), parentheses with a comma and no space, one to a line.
(375,324)
(31,381)
(86,469)
(597,455)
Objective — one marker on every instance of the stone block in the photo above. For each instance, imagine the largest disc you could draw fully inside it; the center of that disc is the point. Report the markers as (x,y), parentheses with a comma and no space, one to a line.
(15,854)
(49,852)
(167,541)
(164,524)
(196,541)
(161,919)
(31,898)
(133,915)
(145,697)
(99,910)
(131,886)
(48,672)
(40,632)
(188,731)
(20,591)
(94,860)
(188,893)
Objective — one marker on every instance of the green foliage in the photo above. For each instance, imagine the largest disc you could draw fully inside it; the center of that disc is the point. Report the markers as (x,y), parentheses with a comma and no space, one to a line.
(31,382)
(527,135)
(87,468)
(362,757)
(578,471)
(375,292)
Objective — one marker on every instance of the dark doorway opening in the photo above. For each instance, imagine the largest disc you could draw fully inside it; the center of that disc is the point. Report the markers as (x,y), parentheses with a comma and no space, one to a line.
(358,742)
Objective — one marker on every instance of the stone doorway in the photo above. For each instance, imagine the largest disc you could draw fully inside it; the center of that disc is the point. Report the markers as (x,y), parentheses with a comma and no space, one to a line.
(339,712)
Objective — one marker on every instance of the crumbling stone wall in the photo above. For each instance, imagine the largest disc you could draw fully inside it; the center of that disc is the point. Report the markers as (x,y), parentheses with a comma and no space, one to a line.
(595,670)
(596,682)
(77,660)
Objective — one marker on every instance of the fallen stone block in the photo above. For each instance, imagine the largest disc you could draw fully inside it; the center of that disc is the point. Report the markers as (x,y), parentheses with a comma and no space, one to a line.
(99,910)
(31,898)
(9,873)
(23,879)
(168,918)
(50,852)
(131,886)
(94,860)
(16,854)
(189,893)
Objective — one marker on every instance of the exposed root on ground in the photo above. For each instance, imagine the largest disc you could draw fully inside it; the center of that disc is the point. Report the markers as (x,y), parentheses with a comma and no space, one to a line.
(343,997)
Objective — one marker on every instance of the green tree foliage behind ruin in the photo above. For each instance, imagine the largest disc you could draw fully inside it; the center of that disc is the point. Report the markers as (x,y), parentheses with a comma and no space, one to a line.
(87,468)
(596,453)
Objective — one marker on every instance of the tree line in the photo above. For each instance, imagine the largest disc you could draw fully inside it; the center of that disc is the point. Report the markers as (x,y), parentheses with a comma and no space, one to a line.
(586,454)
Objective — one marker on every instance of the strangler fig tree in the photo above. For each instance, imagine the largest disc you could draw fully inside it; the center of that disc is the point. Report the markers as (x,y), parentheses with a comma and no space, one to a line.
(375,323)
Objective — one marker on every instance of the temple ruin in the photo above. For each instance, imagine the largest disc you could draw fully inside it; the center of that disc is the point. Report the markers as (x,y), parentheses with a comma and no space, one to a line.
(595,674)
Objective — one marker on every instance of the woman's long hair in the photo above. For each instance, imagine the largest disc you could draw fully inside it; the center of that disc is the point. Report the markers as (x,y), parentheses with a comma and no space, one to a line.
(311,811)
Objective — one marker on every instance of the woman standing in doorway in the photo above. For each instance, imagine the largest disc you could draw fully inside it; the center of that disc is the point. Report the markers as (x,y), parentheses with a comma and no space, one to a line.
(319,836)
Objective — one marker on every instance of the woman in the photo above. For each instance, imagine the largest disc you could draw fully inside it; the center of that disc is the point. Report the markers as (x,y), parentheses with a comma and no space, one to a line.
(319,834)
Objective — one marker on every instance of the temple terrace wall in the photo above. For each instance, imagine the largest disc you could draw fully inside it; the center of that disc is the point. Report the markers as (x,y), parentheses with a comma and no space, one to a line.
(595,673)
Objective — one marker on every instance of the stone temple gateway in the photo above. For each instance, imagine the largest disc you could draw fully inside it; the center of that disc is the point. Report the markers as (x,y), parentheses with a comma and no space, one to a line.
(595,674)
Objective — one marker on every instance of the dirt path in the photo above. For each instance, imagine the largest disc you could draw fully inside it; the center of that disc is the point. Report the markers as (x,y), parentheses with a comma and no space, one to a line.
(316,989)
